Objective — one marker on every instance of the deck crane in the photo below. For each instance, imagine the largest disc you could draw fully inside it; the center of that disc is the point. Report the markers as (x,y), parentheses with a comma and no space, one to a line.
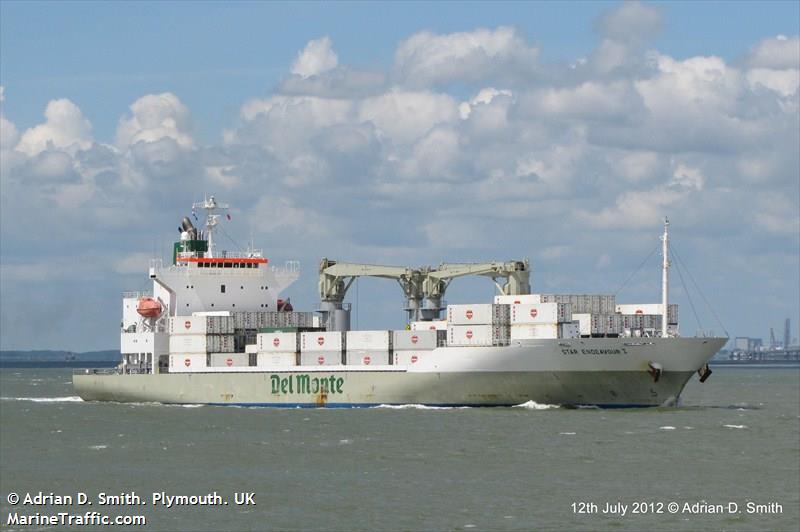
(423,287)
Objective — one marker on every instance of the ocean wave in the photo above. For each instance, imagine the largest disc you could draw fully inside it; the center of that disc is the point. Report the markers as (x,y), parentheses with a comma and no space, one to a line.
(667,427)
(735,426)
(533,405)
(69,399)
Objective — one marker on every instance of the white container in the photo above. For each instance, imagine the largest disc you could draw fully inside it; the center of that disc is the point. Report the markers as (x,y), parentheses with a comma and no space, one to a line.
(277,342)
(251,349)
(569,330)
(229,360)
(273,360)
(541,313)
(522,299)
(321,341)
(649,308)
(410,358)
(320,358)
(361,357)
(528,331)
(584,323)
(477,335)
(188,325)
(434,325)
(481,314)
(377,340)
(188,343)
(186,363)
(413,340)
(220,343)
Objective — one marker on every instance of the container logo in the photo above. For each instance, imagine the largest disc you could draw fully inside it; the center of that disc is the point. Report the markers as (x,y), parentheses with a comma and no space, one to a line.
(229,362)
(188,324)
(187,362)
(276,342)
(639,311)
(414,339)
(320,359)
(534,313)
(432,328)
(321,340)
(469,335)
(367,360)
(414,359)
(469,314)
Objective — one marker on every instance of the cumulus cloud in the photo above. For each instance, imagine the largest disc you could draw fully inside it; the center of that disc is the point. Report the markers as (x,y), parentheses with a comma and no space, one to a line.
(317,57)
(775,53)
(426,59)
(154,117)
(64,127)
(625,31)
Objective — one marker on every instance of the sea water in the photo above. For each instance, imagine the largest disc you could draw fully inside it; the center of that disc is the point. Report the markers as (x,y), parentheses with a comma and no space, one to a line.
(735,439)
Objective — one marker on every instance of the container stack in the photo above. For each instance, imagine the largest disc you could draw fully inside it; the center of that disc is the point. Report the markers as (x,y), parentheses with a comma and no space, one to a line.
(599,324)
(368,348)
(584,303)
(275,349)
(478,325)
(321,348)
(540,320)
(520,299)
(201,334)
(409,347)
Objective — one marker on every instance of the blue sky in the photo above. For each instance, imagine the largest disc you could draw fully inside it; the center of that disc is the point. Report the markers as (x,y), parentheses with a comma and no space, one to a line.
(590,119)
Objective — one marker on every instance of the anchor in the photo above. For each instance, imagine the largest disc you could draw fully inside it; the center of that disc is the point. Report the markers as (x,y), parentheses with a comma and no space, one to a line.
(704,372)
(654,369)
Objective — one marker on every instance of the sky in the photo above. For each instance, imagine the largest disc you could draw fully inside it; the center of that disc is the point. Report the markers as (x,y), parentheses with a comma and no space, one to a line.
(404,134)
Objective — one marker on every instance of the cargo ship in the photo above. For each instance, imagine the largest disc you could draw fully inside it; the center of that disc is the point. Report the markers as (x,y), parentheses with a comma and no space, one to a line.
(216,329)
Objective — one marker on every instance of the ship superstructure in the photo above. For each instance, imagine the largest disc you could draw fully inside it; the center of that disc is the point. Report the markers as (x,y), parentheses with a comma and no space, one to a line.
(215,330)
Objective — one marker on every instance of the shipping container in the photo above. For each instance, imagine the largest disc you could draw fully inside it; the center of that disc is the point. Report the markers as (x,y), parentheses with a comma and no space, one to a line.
(584,303)
(413,340)
(650,308)
(478,314)
(321,341)
(220,343)
(597,324)
(287,342)
(434,325)
(477,335)
(188,343)
(186,362)
(569,330)
(528,331)
(275,360)
(320,358)
(541,313)
(521,299)
(229,360)
(410,358)
(379,340)
(366,357)
(201,325)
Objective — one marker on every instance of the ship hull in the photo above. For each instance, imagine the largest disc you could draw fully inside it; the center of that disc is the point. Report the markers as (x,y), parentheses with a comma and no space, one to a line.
(602,372)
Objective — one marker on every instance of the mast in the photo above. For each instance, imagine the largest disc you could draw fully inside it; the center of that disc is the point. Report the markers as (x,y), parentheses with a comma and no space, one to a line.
(211,206)
(665,278)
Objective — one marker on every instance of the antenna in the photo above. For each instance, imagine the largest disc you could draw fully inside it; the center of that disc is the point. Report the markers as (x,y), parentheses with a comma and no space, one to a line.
(211,206)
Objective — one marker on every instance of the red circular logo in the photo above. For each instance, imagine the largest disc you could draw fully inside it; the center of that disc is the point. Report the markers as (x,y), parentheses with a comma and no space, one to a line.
(639,311)
(188,324)
(469,314)
(432,327)
(229,362)
(367,360)
(414,359)
(320,360)
(276,342)
(321,340)
(414,339)
(534,313)
(469,334)
(187,362)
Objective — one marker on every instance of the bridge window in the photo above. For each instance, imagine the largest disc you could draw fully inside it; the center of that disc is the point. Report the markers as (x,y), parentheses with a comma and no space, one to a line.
(222,288)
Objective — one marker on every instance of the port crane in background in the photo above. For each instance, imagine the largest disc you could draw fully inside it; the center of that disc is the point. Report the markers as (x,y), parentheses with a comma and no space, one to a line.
(423,287)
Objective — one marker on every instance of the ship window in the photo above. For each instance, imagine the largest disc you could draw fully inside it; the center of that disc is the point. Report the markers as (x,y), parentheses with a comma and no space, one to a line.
(199,264)
(241,287)
(228,265)
(235,264)
(255,265)
(222,288)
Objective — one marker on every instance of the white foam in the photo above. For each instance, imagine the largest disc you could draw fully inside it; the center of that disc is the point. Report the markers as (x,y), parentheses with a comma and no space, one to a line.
(98,447)
(667,427)
(345,442)
(533,405)
(735,426)
(567,433)
(70,399)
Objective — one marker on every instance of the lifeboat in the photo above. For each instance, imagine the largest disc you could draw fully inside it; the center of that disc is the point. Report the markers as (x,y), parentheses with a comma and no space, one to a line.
(148,307)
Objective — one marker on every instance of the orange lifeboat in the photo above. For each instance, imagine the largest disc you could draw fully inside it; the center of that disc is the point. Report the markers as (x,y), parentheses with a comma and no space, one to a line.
(149,307)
